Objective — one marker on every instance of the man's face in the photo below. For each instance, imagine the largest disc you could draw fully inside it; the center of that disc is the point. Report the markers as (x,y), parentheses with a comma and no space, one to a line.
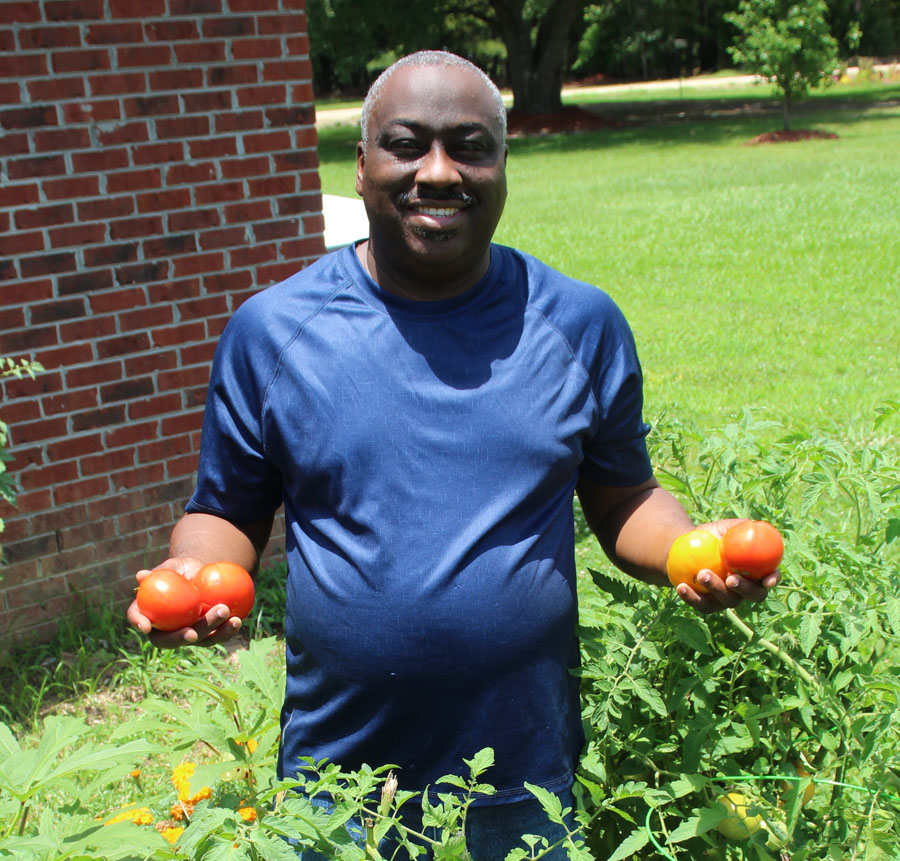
(433,177)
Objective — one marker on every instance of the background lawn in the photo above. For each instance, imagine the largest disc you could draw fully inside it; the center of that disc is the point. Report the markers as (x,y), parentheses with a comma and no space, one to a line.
(758,276)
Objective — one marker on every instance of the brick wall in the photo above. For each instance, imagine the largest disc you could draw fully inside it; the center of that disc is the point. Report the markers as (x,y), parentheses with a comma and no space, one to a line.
(158,165)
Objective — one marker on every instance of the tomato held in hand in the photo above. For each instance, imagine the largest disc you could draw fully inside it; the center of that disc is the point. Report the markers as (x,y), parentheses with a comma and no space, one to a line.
(753,549)
(226,583)
(690,554)
(168,600)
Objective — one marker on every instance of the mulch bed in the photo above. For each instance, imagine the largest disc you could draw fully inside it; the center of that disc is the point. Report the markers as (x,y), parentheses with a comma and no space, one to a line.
(788,137)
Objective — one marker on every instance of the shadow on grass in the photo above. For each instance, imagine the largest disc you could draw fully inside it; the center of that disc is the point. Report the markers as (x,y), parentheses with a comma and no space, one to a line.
(698,120)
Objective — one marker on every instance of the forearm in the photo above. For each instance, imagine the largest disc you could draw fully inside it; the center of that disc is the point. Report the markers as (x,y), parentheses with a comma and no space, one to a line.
(636,533)
(213,539)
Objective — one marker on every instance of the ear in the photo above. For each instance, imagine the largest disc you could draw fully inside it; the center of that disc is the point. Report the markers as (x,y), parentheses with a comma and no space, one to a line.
(360,167)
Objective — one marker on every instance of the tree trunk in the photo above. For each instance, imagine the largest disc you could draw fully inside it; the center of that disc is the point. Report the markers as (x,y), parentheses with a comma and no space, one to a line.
(536,66)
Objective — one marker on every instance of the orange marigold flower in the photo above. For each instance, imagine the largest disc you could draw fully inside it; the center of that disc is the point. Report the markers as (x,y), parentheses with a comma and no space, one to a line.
(248,814)
(139,816)
(135,773)
(172,834)
(181,780)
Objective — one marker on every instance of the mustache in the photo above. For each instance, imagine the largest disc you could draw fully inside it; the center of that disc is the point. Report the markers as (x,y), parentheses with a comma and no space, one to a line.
(408,198)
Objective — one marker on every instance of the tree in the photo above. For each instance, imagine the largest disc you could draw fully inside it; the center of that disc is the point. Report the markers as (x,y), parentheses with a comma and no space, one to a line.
(787,42)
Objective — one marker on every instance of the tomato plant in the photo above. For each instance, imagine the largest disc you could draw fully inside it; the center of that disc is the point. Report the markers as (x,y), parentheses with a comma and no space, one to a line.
(740,822)
(690,554)
(753,548)
(168,600)
(226,583)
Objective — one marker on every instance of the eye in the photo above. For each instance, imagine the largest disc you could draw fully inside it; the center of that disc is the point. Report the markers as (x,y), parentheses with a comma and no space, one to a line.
(404,146)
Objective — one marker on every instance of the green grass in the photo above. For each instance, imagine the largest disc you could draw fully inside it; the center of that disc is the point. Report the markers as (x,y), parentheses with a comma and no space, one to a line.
(753,276)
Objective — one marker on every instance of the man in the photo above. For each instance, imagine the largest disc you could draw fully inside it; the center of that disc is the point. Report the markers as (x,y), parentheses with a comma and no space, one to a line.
(425,404)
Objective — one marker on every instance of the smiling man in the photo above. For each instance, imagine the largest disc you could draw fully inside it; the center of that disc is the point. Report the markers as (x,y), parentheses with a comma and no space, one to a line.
(425,405)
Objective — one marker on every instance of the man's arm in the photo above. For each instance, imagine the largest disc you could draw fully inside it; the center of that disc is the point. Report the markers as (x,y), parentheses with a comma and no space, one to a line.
(196,540)
(636,527)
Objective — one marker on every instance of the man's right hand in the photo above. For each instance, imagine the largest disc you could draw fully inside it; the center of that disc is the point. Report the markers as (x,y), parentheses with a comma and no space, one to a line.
(215,627)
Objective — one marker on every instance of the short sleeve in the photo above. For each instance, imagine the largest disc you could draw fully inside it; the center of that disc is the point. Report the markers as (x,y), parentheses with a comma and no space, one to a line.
(235,479)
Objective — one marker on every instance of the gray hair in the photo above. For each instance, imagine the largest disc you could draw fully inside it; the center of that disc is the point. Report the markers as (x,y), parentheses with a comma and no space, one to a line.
(427,58)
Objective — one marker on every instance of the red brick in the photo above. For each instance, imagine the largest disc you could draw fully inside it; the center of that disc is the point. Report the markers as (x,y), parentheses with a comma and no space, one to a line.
(187,172)
(223,238)
(306,138)
(29,117)
(71,187)
(21,194)
(85,281)
(202,307)
(79,234)
(216,325)
(195,7)
(47,264)
(118,84)
(296,160)
(141,273)
(182,127)
(116,33)
(14,244)
(11,318)
(133,342)
(56,88)
(267,94)
(81,490)
(173,291)
(207,101)
(163,449)
(232,74)
(114,504)
(230,26)
(255,49)
(134,56)
(155,406)
(86,533)
(61,309)
(94,374)
(49,37)
(126,390)
(105,208)
(218,192)
(213,147)
(177,335)
(257,210)
(285,23)
(298,203)
(182,378)
(196,354)
(272,186)
(142,9)
(267,142)
(200,52)
(313,224)
(242,121)
(159,201)
(73,10)
(14,144)
(110,255)
(106,301)
(179,79)
(44,216)
(197,263)
(288,229)
(195,220)
(100,161)
(8,270)
(89,327)
(67,356)
(25,291)
(157,153)
(146,318)
(133,180)
(135,227)
(25,12)
(303,250)
(69,402)
(97,111)
(131,434)
(155,105)
(31,168)
(164,246)
(124,133)
(155,361)
(253,255)
(171,30)
(301,94)
(87,60)
(22,65)
(50,140)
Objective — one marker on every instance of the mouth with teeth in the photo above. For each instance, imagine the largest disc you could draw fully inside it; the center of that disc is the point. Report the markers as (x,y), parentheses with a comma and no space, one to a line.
(437,217)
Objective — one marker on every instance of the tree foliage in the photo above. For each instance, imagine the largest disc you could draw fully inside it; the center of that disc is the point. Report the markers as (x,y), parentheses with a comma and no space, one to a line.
(787,42)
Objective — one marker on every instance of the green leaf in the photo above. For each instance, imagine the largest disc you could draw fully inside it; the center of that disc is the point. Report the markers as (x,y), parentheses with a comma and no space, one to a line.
(631,845)
(646,692)
(704,821)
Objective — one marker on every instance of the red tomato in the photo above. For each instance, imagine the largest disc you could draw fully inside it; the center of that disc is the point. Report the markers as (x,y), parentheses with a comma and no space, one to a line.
(226,583)
(168,600)
(753,548)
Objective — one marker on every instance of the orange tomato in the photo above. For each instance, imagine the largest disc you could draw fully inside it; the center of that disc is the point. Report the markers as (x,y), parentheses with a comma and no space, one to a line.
(753,549)
(692,553)
(168,600)
(226,583)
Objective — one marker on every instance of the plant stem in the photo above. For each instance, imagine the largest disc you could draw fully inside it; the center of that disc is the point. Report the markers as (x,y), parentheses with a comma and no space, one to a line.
(769,646)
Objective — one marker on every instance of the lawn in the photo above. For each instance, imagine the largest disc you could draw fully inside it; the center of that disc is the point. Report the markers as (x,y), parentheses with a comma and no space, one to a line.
(761,276)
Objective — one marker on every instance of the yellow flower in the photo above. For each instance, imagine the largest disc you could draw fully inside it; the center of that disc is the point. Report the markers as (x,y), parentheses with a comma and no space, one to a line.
(135,773)
(248,814)
(139,816)
(181,780)
(172,834)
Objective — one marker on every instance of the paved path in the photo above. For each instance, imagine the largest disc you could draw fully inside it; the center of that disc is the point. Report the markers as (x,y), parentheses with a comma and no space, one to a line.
(333,116)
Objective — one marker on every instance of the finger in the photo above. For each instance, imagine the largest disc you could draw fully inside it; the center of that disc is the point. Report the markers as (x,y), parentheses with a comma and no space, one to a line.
(700,602)
(138,619)
(718,590)
(217,626)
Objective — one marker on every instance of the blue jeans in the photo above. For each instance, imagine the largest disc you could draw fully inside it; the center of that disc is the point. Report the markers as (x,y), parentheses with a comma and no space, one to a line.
(492,831)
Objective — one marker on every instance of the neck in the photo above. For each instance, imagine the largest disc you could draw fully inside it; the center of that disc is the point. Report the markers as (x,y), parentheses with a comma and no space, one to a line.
(421,285)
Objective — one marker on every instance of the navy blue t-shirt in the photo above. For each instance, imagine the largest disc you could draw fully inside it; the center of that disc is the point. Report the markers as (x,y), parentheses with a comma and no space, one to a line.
(426,454)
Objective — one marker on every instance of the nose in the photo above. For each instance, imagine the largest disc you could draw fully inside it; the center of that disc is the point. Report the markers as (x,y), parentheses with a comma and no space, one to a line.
(437,168)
